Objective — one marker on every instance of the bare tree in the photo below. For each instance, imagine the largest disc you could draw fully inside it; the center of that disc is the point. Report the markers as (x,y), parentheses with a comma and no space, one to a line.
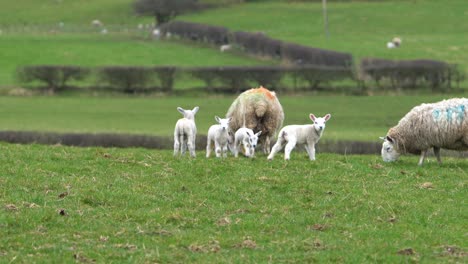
(163,10)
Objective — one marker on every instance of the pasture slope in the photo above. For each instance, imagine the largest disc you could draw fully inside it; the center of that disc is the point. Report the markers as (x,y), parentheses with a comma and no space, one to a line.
(64,204)
(430,29)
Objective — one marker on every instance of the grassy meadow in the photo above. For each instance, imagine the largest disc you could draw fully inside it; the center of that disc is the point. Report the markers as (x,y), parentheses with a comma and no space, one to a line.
(64,204)
(353,117)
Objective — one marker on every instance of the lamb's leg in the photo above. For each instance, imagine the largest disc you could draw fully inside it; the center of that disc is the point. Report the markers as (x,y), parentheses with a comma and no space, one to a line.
(191,145)
(276,148)
(311,151)
(289,147)
(208,148)
(437,154)
(225,151)
(423,157)
(217,149)
(183,144)
(176,144)
(236,148)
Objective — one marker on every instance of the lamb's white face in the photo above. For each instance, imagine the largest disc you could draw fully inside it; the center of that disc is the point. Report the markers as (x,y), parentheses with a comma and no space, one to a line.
(253,141)
(319,122)
(223,122)
(189,114)
(389,153)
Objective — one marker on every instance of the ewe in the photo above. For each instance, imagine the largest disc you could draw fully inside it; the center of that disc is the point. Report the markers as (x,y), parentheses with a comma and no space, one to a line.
(439,125)
(260,110)
(306,135)
(219,135)
(185,132)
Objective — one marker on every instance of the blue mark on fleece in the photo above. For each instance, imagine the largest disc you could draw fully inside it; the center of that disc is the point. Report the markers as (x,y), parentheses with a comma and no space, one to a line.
(458,111)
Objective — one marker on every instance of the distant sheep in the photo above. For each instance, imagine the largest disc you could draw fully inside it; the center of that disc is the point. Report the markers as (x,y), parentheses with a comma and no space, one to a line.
(219,135)
(395,43)
(185,132)
(224,48)
(438,125)
(97,23)
(306,135)
(261,110)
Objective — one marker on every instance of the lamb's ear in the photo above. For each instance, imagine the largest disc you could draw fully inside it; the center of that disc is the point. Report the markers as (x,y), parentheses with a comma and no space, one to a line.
(217,118)
(195,110)
(312,117)
(258,133)
(389,139)
(229,119)
(382,138)
(327,117)
(248,134)
(181,110)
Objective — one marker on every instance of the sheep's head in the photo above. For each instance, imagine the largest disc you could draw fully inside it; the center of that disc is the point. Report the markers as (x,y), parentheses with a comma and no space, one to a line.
(253,141)
(189,114)
(223,122)
(389,153)
(319,122)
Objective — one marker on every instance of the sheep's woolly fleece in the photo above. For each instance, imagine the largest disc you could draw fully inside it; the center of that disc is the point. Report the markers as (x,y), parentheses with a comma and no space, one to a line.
(262,111)
(443,124)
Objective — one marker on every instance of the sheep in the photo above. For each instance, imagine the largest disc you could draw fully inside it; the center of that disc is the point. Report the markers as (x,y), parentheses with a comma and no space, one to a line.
(185,132)
(97,23)
(224,48)
(246,138)
(390,45)
(397,41)
(438,125)
(219,135)
(156,33)
(261,110)
(306,135)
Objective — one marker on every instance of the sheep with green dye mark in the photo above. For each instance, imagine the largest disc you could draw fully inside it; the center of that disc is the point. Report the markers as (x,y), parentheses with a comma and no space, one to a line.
(441,125)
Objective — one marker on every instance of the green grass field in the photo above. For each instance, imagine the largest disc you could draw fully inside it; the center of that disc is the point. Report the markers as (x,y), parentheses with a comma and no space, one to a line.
(353,117)
(62,204)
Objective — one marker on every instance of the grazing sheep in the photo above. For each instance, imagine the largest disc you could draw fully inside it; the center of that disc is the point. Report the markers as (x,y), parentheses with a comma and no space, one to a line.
(156,33)
(306,135)
(438,125)
(247,139)
(224,48)
(185,132)
(390,45)
(261,111)
(219,135)
(396,41)
(97,23)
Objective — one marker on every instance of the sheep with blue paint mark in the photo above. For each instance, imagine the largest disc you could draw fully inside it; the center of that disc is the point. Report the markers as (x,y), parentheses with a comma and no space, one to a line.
(441,125)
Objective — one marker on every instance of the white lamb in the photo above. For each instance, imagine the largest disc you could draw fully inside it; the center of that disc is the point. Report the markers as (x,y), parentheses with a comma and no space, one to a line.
(306,135)
(219,135)
(185,132)
(224,48)
(247,139)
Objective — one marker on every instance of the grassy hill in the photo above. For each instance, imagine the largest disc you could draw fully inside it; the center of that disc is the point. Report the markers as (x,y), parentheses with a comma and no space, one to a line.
(430,29)
(30,33)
